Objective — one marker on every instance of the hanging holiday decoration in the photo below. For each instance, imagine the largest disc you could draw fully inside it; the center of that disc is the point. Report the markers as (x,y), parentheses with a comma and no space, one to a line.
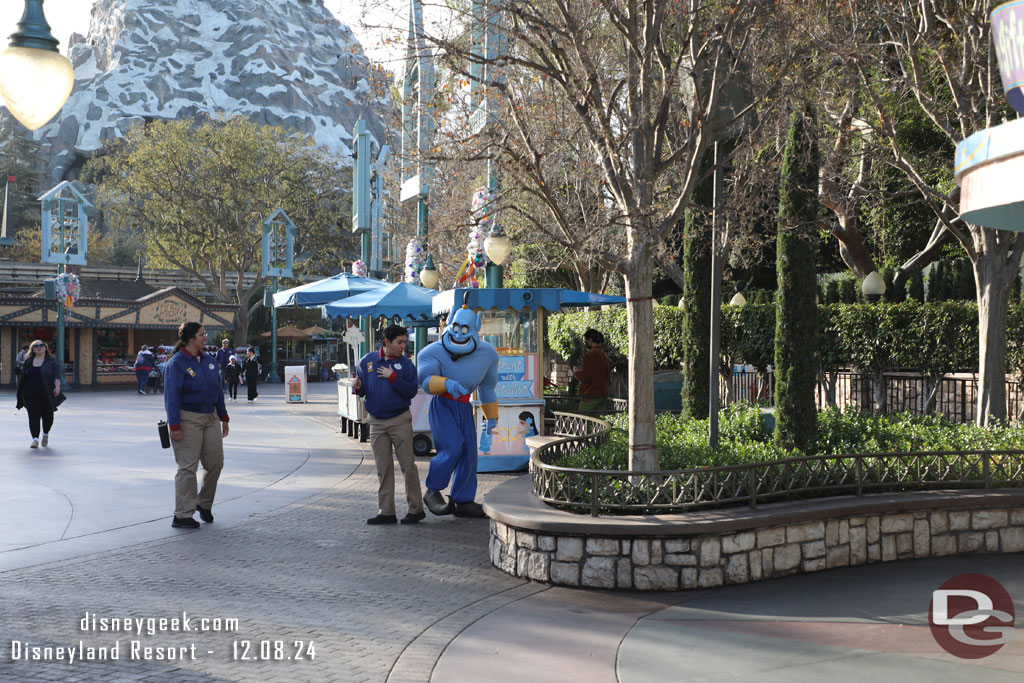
(483,212)
(69,288)
(359,268)
(415,258)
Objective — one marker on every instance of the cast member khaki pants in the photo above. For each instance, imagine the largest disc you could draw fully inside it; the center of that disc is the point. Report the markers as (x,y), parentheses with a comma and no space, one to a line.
(394,432)
(201,442)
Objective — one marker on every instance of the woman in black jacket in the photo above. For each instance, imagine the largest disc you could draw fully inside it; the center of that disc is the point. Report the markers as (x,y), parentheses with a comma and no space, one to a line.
(251,370)
(39,390)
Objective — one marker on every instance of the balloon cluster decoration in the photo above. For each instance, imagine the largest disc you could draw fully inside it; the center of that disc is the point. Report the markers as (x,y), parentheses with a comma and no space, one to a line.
(69,288)
(359,268)
(415,259)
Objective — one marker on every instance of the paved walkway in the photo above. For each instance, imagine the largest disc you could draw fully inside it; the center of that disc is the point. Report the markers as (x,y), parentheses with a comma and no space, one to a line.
(85,529)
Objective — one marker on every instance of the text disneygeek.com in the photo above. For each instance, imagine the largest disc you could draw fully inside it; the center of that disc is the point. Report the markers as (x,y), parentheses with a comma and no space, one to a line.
(263,649)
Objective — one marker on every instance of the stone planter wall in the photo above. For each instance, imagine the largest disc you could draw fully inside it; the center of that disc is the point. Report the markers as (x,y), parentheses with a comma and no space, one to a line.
(708,560)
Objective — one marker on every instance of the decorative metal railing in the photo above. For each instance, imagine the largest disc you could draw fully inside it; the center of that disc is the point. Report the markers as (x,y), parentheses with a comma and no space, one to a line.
(632,492)
(571,404)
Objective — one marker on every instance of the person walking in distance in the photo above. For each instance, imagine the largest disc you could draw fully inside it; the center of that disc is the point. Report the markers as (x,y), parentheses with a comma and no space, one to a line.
(387,380)
(198,423)
(251,371)
(144,363)
(593,374)
(232,374)
(39,390)
(223,356)
(20,361)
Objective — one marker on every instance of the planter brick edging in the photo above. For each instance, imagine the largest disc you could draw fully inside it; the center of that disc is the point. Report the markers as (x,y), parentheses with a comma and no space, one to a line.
(738,545)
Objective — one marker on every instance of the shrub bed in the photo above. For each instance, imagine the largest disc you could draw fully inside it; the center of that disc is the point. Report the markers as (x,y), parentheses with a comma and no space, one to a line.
(683,443)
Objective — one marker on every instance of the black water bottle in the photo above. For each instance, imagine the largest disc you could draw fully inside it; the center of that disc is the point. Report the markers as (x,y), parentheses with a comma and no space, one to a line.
(165,434)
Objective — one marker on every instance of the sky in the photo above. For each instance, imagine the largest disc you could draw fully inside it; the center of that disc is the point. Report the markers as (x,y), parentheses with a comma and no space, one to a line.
(368,19)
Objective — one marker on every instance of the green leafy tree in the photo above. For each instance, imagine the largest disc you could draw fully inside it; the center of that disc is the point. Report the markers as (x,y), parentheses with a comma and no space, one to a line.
(796,331)
(197,193)
(19,158)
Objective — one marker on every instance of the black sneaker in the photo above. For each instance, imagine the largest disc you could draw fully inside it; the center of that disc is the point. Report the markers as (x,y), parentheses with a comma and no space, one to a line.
(382,519)
(204,514)
(437,504)
(413,517)
(470,509)
(184,523)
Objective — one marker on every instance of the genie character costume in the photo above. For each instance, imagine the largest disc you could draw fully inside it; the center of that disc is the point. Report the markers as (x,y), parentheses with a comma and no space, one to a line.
(450,369)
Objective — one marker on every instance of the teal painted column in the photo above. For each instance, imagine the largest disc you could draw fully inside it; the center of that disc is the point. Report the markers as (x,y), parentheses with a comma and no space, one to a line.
(422,212)
(274,376)
(61,268)
(364,322)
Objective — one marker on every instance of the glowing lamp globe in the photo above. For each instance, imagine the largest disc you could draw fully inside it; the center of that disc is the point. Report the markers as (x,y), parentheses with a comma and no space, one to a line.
(35,79)
(429,275)
(498,247)
(873,286)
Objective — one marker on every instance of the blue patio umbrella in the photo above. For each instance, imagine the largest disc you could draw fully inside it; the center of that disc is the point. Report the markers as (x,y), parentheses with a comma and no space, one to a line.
(327,290)
(401,300)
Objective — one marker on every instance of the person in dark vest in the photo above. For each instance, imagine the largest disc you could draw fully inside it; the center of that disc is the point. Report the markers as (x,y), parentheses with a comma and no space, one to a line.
(39,390)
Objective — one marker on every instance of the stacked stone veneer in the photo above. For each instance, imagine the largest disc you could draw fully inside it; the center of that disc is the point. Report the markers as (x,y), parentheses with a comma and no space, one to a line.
(707,560)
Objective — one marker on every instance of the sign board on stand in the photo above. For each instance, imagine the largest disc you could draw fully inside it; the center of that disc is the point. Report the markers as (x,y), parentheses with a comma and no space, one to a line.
(295,384)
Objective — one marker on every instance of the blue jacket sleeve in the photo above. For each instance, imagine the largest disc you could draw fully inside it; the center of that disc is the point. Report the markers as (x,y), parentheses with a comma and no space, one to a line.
(405,382)
(173,378)
(222,410)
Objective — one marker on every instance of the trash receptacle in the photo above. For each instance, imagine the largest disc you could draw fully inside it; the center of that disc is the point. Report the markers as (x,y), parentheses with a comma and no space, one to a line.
(668,390)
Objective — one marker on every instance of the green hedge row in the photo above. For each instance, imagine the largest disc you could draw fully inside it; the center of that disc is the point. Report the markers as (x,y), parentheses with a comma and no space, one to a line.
(930,338)
(683,442)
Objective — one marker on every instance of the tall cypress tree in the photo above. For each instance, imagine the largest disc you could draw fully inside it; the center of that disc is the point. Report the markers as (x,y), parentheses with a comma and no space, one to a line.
(796,323)
(697,303)
(915,285)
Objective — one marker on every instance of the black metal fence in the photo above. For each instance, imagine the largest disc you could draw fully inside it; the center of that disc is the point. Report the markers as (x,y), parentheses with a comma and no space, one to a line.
(628,492)
(905,392)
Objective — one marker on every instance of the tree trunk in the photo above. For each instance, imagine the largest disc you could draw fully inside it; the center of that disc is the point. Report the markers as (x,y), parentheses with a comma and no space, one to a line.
(993,285)
(852,247)
(643,449)
(242,317)
(878,389)
(827,382)
(931,387)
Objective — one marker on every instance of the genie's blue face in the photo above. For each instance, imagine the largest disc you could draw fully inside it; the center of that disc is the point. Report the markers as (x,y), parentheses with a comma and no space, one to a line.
(461,336)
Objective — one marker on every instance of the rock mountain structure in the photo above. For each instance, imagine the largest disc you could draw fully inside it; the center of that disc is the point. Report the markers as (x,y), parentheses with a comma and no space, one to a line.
(280,62)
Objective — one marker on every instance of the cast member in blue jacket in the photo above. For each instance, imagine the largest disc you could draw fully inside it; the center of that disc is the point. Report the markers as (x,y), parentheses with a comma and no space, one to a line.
(198,422)
(387,380)
(451,369)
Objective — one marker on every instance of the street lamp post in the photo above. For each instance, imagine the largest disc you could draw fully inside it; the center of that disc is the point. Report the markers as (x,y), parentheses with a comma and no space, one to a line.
(35,79)
(64,242)
(278,259)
